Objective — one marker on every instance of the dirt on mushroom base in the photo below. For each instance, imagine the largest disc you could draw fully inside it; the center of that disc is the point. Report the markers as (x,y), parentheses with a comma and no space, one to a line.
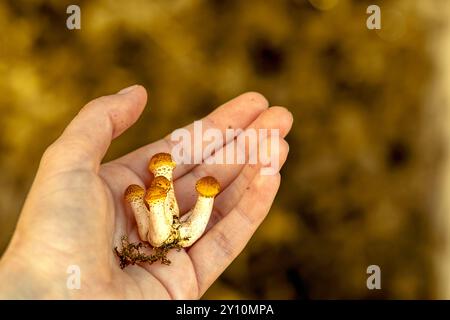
(131,252)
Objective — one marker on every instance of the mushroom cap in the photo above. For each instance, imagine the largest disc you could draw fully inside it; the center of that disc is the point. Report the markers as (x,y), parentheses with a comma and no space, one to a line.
(134,192)
(159,160)
(207,186)
(158,190)
(161,182)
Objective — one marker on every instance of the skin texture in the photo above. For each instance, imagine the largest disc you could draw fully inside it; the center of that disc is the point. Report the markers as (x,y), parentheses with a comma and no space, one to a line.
(75,214)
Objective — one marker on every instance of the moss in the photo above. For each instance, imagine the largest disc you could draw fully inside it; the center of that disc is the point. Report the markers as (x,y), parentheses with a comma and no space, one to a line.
(131,253)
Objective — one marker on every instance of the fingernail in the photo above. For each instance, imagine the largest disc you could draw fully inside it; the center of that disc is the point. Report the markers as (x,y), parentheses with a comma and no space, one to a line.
(127,90)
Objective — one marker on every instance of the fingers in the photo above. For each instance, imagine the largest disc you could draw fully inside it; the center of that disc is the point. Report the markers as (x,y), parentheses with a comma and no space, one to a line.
(221,245)
(86,139)
(236,113)
(230,197)
(273,118)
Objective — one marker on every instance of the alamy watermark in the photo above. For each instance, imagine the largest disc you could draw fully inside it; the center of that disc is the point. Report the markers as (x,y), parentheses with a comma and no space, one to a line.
(374,280)
(73,22)
(373,22)
(239,146)
(74,278)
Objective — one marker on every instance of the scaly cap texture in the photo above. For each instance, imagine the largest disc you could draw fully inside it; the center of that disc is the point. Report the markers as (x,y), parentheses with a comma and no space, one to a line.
(207,187)
(159,160)
(158,190)
(161,182)
(134,192)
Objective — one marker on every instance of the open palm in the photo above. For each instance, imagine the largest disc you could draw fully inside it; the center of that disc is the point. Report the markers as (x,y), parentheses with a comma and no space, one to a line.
(75,213)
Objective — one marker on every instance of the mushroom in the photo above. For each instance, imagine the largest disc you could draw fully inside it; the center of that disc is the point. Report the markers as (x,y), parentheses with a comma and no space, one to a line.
(161,164)
(160,225)
(193,226)
(134,195)
(156,211)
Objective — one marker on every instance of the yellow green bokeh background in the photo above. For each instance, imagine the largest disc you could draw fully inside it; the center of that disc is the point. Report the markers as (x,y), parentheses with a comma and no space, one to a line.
(356,187)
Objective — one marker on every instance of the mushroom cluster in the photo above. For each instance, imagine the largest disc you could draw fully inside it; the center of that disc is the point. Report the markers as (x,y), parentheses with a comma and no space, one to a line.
(156,209)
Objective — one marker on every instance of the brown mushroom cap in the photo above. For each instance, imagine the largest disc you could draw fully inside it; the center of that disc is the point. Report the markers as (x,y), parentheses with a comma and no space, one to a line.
(208,186)
(158,190)
(161,182)
(134,192)
(160,160)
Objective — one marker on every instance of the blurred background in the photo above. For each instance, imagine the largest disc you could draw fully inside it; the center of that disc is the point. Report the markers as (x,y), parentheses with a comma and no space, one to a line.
(364,180)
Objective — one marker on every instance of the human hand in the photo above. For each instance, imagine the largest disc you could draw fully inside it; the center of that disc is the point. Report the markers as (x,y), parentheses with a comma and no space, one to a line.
(75,214)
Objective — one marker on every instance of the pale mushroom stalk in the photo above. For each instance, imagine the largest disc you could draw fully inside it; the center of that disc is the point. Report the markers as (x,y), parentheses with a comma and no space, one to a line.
(185,216)
(159,227)
(161,164)
(197,218)
(134,195)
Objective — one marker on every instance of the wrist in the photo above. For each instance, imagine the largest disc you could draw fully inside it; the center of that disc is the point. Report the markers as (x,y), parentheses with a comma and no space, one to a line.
(8,280)
(17,280)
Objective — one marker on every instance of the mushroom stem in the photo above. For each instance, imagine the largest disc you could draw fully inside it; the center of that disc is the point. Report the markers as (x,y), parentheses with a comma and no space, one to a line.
(171,204)
(162,165)
(185,216)
(197,218)
(134,195)
(160,228)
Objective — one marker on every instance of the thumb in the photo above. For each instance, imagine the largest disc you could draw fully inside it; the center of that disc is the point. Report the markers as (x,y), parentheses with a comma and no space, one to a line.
(86,139)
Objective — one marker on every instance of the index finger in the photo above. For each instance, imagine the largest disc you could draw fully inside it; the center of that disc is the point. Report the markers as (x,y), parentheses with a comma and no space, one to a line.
(213,252)
(236,113)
